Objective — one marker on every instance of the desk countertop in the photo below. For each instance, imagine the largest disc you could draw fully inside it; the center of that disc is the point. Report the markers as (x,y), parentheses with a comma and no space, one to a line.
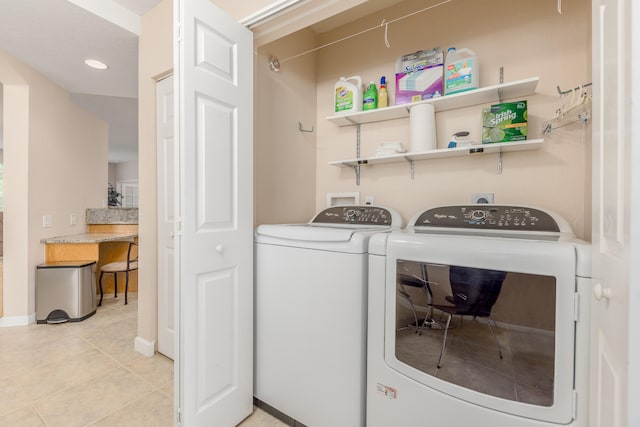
(90,238)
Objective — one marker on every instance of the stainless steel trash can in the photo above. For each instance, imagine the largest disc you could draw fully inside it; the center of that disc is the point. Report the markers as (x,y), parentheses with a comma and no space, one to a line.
(65,291)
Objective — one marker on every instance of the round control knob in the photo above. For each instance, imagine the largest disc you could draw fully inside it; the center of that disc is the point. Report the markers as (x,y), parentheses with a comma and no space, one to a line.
(478,215)
(351,214)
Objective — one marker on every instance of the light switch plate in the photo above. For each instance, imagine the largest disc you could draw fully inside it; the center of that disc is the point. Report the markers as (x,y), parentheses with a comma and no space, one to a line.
(47,221)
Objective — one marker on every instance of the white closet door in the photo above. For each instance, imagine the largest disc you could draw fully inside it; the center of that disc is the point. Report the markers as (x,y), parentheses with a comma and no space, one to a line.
(614,337)
(166,208)
(214,91)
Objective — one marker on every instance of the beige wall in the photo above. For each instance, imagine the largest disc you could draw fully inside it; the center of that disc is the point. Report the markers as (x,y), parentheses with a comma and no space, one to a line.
(123,171)
(155,60)
(527,38)
(55,164)
(285,169)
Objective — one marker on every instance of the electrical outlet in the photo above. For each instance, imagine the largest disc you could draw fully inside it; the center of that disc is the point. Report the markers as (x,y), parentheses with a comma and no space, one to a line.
(73,219)
(482,198)
(368,200)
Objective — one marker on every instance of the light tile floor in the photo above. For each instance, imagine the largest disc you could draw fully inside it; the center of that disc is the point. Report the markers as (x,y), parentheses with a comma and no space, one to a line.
(88,374)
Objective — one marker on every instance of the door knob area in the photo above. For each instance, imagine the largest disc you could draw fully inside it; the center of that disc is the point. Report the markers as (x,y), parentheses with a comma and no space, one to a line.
(600,292)
(219,249)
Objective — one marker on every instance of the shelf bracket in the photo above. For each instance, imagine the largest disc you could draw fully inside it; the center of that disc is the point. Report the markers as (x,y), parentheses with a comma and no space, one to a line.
(357,167)
(501,81)
(500,162)
(413,166)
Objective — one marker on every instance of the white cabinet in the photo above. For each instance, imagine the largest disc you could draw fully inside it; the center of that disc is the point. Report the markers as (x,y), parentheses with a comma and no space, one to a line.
(486,95)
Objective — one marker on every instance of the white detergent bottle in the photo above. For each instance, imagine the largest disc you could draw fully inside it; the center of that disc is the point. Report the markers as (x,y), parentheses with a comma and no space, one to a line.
(461,71)
(348,95)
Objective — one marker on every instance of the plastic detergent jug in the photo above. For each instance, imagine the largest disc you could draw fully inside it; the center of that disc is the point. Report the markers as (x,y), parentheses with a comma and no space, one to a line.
(370,101)
(348,96)
(461,71)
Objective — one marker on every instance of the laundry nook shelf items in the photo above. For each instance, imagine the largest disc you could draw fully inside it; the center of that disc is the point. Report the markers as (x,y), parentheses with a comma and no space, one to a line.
(531,144)
(485,95)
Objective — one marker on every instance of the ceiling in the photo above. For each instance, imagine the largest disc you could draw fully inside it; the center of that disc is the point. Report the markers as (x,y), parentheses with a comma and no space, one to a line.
(56,36)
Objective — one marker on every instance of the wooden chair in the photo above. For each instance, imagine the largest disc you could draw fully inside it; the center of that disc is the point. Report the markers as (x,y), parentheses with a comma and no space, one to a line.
(130,264)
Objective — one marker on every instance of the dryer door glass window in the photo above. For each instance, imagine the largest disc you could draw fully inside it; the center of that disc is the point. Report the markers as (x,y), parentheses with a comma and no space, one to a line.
(485,330)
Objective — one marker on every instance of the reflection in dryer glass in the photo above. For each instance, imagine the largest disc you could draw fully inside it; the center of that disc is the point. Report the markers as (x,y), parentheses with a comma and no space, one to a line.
(486,330)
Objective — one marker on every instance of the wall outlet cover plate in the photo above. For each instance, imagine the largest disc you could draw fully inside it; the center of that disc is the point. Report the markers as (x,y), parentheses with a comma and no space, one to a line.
(482,198)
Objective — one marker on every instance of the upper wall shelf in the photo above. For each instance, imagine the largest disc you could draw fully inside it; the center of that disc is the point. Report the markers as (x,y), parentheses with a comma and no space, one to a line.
(483,95)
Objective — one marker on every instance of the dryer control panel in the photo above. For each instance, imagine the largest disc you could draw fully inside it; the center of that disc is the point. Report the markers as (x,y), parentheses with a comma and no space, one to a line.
(488,217)
(360,215)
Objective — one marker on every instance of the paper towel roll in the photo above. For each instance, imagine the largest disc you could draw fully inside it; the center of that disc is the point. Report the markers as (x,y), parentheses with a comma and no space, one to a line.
(422,122)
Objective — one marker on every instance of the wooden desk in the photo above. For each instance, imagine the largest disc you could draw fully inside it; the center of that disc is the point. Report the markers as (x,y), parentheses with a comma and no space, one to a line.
(102,247)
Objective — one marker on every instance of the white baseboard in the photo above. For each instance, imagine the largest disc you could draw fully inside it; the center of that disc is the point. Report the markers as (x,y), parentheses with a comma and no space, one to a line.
(9,321)
(144,347)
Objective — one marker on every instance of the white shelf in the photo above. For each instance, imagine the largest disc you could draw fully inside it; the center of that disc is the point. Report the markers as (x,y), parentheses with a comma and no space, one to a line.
(501,147)
(483,95)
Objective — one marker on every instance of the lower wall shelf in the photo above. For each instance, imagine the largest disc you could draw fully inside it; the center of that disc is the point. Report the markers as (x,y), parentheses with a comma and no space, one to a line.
(501,147)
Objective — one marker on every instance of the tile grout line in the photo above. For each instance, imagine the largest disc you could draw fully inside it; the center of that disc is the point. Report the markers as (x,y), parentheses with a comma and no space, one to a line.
(93,422)
(71,333)
(153,387)
(89,380)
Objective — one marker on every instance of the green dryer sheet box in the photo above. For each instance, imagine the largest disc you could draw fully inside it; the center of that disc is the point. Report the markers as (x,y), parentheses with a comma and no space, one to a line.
(504,122)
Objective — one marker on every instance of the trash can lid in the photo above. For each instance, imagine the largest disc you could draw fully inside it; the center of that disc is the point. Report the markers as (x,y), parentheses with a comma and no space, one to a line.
(65,264)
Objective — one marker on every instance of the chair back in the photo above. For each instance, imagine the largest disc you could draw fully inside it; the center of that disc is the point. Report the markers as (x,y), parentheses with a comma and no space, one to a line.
(475,290)
(132,256)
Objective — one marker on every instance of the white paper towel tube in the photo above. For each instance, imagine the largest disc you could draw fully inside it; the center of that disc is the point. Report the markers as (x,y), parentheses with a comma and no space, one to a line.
(422,122)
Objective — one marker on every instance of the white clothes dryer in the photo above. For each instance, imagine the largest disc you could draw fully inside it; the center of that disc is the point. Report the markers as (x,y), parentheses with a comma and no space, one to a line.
(502,298)
(310,314)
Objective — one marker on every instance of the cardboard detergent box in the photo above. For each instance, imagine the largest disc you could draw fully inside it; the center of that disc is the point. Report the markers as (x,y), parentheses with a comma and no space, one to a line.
(419,76)
(505,122)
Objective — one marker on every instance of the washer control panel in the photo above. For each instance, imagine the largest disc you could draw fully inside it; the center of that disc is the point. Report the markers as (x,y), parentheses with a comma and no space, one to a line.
(489,217)
(360,215)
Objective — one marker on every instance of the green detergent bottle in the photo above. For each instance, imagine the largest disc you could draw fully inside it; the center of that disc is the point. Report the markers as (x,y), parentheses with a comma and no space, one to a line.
(370,98)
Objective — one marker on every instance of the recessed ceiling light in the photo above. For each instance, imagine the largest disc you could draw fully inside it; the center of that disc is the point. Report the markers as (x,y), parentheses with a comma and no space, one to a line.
(94,63)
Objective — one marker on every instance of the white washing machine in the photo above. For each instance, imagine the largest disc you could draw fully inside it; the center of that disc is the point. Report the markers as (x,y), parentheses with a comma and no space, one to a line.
(501,294)
(310,314)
